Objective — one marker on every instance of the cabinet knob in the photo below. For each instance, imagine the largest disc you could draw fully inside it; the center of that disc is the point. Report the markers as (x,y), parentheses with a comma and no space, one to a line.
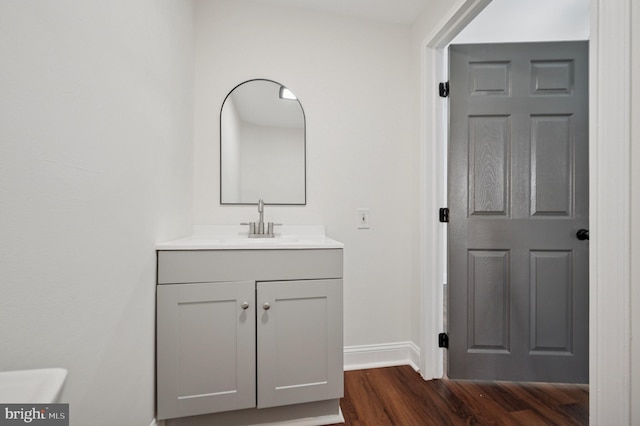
(266,306)
(245,305)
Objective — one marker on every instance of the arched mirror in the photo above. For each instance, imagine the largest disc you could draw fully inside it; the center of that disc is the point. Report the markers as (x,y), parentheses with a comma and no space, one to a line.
(262,145)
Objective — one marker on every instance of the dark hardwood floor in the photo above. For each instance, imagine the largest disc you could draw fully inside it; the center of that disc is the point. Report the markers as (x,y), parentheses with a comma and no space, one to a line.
(398,396)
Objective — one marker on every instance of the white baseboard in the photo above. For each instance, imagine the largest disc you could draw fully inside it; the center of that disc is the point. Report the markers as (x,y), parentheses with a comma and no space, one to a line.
(383,355)
(155,422)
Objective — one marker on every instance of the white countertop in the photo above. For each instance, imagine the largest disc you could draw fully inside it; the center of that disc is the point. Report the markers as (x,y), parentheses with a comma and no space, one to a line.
(232,237)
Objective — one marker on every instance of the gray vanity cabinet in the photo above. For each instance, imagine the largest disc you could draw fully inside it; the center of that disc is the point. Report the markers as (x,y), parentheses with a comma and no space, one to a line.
(205,348)
(300,345)
(251,342)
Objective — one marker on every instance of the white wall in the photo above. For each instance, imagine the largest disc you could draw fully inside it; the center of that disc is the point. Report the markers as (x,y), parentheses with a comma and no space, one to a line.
(526,20)
(353,79)
(95,167)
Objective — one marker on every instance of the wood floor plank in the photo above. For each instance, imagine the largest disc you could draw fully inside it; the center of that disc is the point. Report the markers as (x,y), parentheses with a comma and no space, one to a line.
(364,400)
(544,405)
(578,412)
(398,396)
(500,393)
(487,410)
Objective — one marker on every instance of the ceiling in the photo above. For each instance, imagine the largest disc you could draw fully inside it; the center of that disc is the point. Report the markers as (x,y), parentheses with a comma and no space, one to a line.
(390,11)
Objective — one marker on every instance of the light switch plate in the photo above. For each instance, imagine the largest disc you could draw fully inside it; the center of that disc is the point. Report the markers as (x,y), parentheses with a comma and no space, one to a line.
(363,219)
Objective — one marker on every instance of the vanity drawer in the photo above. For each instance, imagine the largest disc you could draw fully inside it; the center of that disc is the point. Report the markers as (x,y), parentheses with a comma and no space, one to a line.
(194,266)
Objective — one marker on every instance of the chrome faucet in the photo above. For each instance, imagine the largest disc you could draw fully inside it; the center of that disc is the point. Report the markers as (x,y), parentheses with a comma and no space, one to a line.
(256,229)
(261,214)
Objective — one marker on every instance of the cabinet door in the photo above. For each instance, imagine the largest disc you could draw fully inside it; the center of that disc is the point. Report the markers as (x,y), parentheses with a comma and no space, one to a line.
(300,355)
(205,348)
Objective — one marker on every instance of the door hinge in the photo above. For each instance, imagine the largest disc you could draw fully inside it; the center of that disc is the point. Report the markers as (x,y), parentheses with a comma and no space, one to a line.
(443,340)
(444,215)
(444,89)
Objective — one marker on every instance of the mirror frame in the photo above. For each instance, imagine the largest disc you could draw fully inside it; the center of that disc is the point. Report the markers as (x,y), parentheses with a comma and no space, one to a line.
(304,147)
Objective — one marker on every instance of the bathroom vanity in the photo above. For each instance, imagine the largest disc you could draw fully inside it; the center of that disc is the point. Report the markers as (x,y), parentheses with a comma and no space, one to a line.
(250,329)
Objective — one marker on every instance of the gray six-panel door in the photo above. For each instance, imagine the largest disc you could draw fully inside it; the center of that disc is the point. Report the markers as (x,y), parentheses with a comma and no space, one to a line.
(518,194)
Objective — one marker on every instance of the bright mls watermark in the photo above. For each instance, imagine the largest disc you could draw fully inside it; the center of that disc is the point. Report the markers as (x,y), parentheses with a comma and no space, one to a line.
(34,414)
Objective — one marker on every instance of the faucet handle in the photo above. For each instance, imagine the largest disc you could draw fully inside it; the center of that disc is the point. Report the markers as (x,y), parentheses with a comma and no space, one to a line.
(270,226)
(252,227)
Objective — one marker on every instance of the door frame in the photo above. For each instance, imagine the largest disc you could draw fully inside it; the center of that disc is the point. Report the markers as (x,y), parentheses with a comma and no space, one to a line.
(609,185)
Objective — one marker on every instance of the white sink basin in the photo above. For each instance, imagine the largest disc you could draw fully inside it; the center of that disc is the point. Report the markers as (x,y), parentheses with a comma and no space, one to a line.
(41,386)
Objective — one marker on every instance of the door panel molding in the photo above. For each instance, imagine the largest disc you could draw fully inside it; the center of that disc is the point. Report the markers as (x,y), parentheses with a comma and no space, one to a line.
(489,141)
(554,174)
(489,274)
(550,270)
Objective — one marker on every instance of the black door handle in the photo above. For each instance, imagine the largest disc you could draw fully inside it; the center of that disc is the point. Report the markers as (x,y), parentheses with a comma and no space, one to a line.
(582,234)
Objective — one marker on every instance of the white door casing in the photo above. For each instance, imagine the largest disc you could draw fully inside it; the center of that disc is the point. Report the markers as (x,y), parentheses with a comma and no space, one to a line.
(610,182)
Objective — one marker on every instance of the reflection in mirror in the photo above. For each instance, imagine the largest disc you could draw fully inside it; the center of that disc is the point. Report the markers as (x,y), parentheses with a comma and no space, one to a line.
(262,145)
